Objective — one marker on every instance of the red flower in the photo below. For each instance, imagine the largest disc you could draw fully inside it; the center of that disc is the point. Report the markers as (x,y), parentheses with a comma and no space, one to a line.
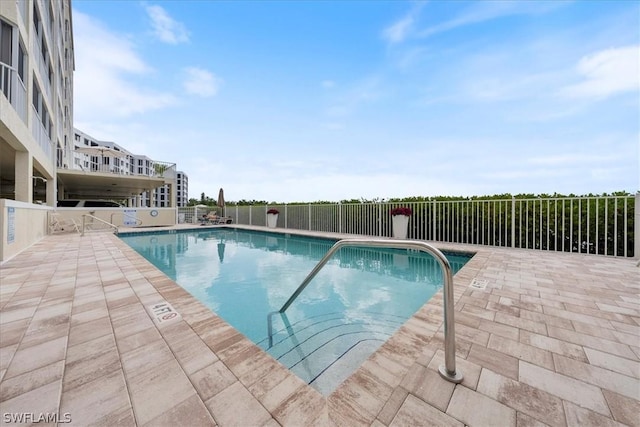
(401,211)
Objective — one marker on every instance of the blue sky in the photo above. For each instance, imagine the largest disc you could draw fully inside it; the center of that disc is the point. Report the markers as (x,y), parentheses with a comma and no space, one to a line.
(328,100)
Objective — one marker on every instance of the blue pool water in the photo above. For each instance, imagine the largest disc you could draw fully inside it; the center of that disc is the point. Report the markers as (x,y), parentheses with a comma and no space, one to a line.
(354,304)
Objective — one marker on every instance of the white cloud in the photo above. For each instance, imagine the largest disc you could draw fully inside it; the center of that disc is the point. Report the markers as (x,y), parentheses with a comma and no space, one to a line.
(573,158)
(607,72)
(201,82)
(107,65)
(398,31)
(165,27)
(489,10)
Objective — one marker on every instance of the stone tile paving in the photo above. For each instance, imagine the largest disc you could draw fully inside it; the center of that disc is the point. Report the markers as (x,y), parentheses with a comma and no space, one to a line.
(554,340)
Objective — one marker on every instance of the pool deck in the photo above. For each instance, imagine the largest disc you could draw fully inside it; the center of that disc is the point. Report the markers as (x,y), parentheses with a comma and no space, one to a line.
(554,339)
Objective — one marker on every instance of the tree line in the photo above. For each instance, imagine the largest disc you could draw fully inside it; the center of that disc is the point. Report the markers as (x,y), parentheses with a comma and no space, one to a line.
(212,201)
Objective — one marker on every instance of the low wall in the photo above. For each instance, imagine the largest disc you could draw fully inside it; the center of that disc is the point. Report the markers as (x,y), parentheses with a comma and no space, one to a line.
(23,224)
(124,217)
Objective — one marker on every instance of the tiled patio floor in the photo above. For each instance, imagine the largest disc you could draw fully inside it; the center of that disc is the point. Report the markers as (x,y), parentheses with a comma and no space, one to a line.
(553,340)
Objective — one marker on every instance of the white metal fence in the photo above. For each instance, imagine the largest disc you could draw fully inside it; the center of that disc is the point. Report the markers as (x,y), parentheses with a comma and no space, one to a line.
(604,225)
(193,214)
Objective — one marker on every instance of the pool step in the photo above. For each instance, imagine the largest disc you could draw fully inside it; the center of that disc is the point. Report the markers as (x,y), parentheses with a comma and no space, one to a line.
(325,350)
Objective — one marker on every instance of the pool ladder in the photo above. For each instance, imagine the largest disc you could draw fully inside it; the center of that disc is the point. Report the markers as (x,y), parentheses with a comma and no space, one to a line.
(448,370)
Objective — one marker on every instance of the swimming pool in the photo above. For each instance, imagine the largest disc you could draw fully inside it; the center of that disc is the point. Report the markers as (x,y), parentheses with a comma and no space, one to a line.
(354,304)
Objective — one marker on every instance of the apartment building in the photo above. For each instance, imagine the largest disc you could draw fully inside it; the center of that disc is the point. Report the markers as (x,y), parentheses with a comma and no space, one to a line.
(36,100)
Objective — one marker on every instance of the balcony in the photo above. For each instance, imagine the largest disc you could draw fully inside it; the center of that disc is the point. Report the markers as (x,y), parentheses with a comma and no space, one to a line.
(41,136)
(14,90)
(41,65)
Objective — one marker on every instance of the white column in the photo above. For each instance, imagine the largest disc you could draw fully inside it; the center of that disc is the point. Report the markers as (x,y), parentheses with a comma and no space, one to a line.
(51,192)
(61,195)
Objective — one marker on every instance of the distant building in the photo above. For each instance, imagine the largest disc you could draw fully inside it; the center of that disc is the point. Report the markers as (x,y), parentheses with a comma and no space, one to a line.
(162,194)
(148,182)
(182,192)
(94,162)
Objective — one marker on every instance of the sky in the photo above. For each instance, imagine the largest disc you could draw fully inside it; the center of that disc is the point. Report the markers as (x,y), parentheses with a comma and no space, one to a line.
(294,101)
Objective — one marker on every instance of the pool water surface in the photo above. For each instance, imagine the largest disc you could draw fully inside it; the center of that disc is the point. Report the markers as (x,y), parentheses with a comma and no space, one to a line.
(354,304)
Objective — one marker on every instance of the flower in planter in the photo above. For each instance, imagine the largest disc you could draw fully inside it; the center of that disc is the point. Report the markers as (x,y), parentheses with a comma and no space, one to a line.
(273,211)
(401,211)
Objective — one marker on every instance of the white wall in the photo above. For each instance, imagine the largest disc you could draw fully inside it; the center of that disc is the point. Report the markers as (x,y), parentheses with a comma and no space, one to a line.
(21,228)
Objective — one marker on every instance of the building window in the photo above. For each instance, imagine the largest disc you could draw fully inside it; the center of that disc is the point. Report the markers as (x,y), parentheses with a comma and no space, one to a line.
(22,62)
(6,53)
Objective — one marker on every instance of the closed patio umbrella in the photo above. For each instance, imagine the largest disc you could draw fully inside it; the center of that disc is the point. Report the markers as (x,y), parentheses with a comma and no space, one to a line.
(221,200)
(221,246)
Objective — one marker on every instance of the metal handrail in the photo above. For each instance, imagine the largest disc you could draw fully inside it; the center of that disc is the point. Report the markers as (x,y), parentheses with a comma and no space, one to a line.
(84,216)
(448,370)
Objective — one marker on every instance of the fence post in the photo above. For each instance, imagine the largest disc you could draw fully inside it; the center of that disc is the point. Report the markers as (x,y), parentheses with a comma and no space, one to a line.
(379,219)
(250,212)
(339,217)
(286,214)
(309,216)
(433,222)
(636,229)
(513,221)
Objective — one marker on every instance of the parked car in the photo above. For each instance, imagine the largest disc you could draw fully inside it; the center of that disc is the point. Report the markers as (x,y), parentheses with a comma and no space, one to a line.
(80,203)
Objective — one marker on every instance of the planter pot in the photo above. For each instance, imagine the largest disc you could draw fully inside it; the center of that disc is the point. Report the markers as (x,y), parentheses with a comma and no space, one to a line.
(401,261)
(272,220)
(400,225)
(272,242)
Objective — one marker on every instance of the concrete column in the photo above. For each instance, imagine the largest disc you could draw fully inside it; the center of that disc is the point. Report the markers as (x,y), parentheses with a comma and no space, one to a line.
(24,177)
(173,199)
(61,194)
(51,192)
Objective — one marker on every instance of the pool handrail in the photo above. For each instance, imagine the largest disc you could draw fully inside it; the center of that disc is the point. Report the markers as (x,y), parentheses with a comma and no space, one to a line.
(448,370)
(93,217)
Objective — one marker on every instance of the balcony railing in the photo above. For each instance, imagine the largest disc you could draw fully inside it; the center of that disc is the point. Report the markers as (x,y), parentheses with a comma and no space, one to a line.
(164,170)
(602,225)
(41,135)
(43,69)
(14,90)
